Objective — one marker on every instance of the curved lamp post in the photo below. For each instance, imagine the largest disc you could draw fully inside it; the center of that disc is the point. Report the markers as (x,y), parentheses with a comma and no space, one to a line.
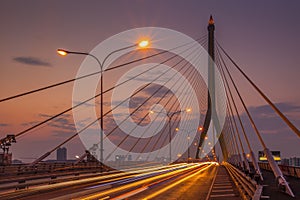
(63,52)
(188,137)
(170,115)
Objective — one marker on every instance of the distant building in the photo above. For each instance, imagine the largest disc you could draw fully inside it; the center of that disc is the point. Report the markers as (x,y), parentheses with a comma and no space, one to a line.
(262,157)
(15,161)
(294,161)
(61,154)
(285,161)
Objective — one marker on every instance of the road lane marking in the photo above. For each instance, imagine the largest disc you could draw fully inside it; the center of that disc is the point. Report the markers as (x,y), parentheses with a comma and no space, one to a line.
(140,182)
(225,190)
(222,195)
(225,186)
(176,183)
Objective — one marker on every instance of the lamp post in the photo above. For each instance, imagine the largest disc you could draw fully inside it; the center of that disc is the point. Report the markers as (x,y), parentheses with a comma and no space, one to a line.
(188,138)
(63,52)
(170,115)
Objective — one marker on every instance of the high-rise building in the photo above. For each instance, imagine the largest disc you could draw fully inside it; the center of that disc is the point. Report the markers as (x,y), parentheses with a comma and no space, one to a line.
(61,154)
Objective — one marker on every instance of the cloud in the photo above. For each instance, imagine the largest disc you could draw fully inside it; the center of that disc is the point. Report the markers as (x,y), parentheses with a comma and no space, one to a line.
(32,61)
(32,123)
(269,122)
(63,122)
(3,125)
(157,91)
(275,133)
(86,104)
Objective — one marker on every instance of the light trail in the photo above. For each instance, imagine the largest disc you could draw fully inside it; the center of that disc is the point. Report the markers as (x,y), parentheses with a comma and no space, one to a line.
(134,185)
(177,182)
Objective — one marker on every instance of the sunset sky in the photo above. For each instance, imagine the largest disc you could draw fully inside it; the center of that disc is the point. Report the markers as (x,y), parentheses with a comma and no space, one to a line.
(261,36)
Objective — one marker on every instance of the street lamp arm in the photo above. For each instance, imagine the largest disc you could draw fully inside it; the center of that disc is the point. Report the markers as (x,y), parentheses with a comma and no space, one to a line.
(174,113)
(115,51)
(101,65)
(65,52)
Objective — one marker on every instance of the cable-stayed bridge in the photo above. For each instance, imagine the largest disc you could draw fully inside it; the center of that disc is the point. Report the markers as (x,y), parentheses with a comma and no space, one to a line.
(166,124)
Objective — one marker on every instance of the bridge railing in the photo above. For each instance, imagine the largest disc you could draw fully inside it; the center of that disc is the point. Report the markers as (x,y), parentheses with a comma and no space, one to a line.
(42,168)
(24,176)
(286,170)
(248,188)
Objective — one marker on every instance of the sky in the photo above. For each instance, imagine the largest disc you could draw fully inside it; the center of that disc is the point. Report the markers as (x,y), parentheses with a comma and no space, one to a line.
(261,36)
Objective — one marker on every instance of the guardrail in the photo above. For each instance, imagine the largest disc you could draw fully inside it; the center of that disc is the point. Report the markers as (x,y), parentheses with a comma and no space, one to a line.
(22,176)
(248,188)
(42,168)
(286,170)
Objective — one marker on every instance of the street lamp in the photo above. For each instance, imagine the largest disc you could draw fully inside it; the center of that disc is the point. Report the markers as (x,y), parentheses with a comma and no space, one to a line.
(170,115)
(188,138)
(63,52)
(143,43)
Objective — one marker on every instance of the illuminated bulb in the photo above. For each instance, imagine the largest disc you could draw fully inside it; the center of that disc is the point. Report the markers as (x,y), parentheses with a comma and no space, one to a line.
(62,52)
(144,43)
(188,110)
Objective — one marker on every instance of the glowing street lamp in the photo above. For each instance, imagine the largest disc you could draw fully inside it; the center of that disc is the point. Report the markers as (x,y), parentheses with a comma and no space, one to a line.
(170,115)
(63,52)
(188,135)
(143,43)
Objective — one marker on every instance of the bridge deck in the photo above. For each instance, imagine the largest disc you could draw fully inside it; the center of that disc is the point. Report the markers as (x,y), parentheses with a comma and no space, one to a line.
(270,188)
(223,187)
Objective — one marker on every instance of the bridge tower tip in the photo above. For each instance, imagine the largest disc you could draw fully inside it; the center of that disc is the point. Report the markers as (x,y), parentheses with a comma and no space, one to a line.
(211,20)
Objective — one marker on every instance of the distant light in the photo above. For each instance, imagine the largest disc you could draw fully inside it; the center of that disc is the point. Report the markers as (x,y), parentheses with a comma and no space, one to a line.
(188,110)
(77,156)
(200,128)
(62,52)
(144,43)
(177,129)
(151,111)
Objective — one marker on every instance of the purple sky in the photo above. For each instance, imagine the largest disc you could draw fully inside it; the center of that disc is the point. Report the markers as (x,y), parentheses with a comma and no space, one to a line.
(262,37)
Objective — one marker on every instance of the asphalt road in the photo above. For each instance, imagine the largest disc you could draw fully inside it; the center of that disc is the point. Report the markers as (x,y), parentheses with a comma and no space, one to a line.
(180,181)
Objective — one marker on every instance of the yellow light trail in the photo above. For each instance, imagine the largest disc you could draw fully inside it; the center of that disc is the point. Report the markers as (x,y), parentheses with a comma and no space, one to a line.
(177,182)
(141,182)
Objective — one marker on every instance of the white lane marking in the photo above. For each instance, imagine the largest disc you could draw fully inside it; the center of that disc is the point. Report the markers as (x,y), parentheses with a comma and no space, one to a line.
(222,195)
(225,190)
(225,186)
